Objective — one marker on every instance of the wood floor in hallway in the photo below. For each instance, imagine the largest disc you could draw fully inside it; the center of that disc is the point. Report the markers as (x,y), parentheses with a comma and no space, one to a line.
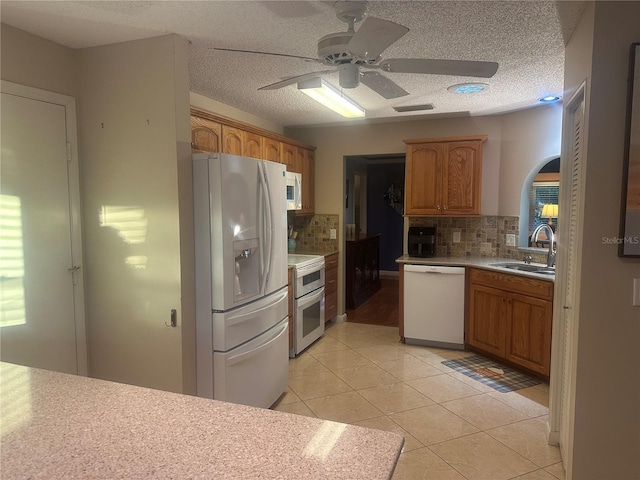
(381,308)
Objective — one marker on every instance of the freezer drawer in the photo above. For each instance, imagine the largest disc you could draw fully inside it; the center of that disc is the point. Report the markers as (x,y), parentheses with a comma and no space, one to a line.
(255,373)
(235,327)
(434,306)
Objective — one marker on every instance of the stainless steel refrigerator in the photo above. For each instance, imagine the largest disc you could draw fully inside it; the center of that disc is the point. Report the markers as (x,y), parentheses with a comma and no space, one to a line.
(240,217)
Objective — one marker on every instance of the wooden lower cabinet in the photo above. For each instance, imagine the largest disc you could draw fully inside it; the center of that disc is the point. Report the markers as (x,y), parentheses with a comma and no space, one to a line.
(510,317)
(529,333)
(489,315)
(330,286)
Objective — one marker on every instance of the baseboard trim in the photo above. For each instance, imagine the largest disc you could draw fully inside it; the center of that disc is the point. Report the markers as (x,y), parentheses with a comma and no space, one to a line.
(340,318)
(389,274)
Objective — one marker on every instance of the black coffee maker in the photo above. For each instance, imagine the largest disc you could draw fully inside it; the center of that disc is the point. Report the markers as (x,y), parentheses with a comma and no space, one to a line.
(421,242)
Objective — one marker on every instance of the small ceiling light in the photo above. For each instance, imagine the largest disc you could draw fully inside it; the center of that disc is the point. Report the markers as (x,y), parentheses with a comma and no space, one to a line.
(468,88)
(550,99)
(324,93)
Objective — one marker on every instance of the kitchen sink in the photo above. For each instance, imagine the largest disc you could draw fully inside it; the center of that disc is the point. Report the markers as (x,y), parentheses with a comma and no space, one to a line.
(526,267)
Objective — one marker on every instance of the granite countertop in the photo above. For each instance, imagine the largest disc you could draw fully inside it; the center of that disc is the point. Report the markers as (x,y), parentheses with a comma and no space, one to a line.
(55,425)
(477,262)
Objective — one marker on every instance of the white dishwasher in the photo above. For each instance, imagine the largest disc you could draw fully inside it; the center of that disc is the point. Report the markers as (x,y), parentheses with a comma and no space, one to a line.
(434,306)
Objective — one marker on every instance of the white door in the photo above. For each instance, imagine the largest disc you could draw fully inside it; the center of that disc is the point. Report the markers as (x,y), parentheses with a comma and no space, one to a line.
(567,283)
(41,317)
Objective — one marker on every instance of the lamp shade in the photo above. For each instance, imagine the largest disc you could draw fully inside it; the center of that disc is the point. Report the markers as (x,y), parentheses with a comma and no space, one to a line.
(549,210)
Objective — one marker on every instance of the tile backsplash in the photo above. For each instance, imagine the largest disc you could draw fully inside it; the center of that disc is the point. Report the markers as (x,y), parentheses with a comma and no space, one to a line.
(479,236)
(314,231)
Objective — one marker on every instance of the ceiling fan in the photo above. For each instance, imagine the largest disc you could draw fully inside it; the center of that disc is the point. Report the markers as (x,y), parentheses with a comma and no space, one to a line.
(353,50)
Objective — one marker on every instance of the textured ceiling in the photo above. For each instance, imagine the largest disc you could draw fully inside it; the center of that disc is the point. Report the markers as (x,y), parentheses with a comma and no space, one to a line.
(526,38)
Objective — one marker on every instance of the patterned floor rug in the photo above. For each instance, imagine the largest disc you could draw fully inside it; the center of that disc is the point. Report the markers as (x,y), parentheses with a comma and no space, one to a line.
(500,377)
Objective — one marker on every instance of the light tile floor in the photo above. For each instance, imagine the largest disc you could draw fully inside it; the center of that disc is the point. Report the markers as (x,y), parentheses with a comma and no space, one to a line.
(454,427)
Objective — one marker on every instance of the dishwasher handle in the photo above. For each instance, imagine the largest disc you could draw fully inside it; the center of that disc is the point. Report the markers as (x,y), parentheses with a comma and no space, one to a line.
(434,269)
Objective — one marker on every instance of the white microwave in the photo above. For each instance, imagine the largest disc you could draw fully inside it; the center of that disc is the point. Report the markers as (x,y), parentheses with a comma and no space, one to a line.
(294,191)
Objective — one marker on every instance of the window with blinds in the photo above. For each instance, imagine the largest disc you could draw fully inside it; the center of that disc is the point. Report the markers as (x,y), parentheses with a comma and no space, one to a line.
(542,193)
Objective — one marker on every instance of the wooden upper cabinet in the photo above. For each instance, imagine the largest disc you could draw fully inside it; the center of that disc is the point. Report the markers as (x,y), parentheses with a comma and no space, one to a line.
(240,142)
(271,149)
(443,176)
(252,145)
(308,181)
(422,173)
(290,155)
(232,140)
(210,133)
(461,177)
(205,135)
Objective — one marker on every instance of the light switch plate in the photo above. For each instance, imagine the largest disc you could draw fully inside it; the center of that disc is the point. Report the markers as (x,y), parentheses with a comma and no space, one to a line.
(636,292)
(456,237)
(332,233)
(511,240)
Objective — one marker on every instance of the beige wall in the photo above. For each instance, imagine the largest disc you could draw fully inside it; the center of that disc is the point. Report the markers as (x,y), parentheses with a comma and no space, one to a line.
(134,140)
(134,132)
(529,137)
(530,133)
(333,143)
(36,62)
(607,403)
(517,142)
(204,103)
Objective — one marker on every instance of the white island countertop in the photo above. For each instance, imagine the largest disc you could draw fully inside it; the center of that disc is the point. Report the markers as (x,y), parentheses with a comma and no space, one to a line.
(55,425)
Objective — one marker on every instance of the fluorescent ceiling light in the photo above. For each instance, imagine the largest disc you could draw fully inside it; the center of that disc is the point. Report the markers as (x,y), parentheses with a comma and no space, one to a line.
(322,92)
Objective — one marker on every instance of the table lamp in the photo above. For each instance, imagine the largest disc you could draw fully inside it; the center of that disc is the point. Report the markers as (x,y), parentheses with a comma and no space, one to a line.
(550,210)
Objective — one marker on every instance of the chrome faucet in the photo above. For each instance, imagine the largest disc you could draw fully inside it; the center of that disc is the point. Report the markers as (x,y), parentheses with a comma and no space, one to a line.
(551,254)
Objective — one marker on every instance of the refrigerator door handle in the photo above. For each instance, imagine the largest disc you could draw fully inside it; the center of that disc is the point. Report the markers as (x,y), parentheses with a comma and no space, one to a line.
(266,237)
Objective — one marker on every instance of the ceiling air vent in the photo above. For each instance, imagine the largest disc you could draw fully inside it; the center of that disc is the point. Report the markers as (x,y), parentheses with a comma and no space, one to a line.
(414,108)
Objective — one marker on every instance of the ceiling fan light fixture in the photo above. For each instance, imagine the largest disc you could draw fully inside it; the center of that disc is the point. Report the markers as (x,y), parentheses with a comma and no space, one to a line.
(327,95)
(467,88)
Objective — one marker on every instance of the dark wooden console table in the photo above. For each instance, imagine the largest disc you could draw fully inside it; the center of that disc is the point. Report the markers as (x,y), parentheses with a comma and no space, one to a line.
(362,268)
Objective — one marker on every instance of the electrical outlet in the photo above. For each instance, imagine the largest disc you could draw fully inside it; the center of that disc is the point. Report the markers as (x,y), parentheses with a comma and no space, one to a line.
(332,233)
(511,240)
(456,237)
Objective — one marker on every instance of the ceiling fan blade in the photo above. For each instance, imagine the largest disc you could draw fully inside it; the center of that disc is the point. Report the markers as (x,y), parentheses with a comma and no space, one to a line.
(382,85)
(266,53)
(296,79)
(463,68)
(374,36)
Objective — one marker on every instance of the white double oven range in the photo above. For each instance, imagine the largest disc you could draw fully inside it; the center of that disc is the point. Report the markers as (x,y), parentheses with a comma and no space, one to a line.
(308,293)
